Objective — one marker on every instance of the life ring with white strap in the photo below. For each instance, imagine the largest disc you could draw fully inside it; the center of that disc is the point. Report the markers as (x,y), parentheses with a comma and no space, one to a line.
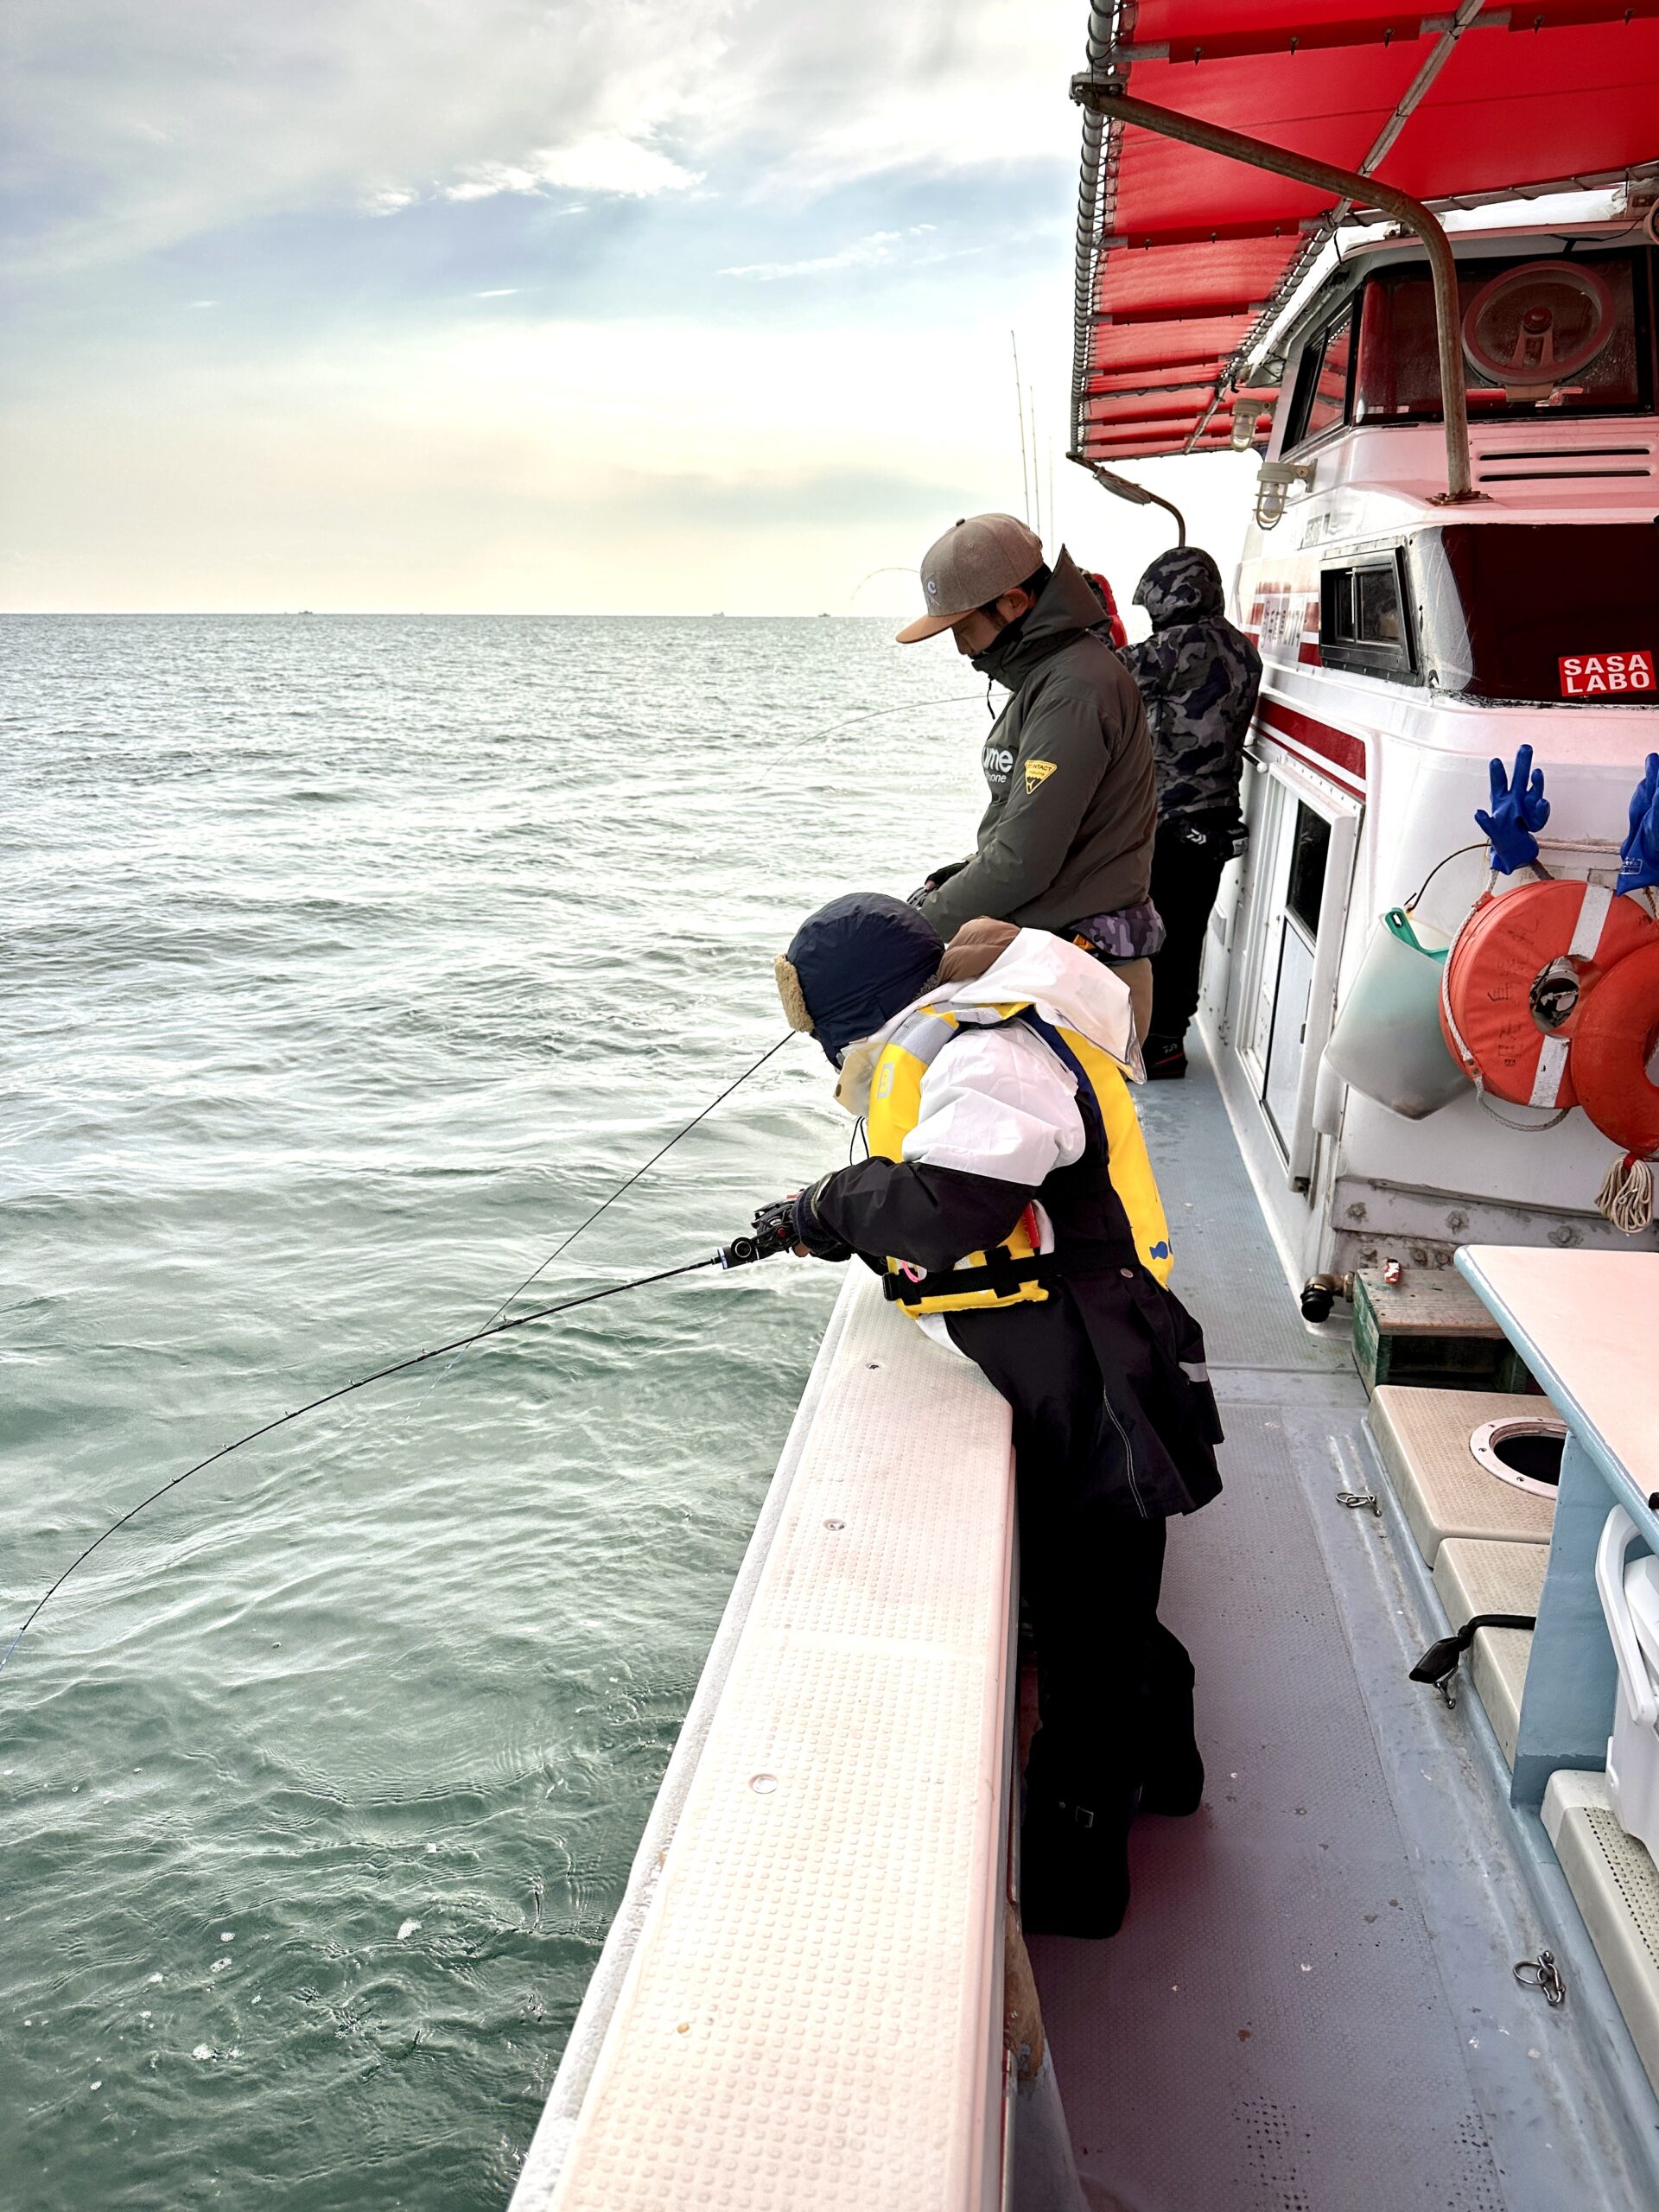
(1522,975)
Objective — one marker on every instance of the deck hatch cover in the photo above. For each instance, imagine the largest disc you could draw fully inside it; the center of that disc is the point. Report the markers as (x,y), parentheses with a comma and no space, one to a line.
(1174,244)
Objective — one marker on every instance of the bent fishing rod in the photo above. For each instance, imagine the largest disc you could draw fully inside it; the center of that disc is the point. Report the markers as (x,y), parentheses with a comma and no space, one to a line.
(773,1232)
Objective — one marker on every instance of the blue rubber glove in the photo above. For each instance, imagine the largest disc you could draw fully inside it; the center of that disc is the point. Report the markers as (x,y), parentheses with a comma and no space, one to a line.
(1519,807)
(1640,851)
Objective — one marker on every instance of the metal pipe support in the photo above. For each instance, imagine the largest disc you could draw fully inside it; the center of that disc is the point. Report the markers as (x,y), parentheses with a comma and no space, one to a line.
(1107,98)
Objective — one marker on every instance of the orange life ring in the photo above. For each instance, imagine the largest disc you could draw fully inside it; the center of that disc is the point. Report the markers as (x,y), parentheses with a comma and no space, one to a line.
(1614,1041)
(1521,974)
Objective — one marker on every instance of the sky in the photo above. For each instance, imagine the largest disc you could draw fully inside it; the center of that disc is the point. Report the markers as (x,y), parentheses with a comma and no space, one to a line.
(538,306)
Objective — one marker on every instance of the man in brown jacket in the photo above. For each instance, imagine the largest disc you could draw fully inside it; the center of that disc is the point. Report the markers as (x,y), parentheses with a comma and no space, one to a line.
(1066,843)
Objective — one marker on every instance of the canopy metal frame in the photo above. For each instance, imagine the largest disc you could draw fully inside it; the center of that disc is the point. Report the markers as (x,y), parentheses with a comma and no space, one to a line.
(1124,487)
(1107,98)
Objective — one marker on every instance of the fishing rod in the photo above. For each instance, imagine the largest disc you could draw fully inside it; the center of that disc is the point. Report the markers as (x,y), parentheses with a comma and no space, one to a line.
(565,1242)
(739,1252)
(774,1231)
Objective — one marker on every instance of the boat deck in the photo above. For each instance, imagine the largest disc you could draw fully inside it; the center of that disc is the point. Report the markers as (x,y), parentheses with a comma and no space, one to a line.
(1312,2007)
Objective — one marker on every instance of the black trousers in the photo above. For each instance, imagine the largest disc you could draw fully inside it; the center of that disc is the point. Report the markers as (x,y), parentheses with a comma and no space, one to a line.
(1188,855)
(1113,1683)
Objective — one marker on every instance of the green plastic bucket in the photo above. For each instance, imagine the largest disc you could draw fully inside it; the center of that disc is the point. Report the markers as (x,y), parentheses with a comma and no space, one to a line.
(1387,1043)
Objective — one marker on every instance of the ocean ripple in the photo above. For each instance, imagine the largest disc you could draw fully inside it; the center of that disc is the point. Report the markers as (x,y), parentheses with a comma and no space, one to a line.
(355,960)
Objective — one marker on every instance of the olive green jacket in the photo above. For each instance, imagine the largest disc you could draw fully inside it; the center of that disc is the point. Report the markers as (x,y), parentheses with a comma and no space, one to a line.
(1068,833)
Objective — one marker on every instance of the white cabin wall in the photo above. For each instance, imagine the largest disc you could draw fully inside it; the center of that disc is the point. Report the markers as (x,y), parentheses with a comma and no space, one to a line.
(1426,774)
(1372,1176)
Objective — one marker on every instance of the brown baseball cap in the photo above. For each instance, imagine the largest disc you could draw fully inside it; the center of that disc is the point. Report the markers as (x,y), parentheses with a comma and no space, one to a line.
(979,558)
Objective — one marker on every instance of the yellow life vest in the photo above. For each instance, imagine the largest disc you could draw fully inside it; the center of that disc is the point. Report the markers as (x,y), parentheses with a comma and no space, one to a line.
(895,1108)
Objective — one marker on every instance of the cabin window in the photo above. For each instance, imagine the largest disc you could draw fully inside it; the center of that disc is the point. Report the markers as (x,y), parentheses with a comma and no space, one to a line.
(1528,322)
(1364,623)
(1321,399)
(1311,848)
(1517,611)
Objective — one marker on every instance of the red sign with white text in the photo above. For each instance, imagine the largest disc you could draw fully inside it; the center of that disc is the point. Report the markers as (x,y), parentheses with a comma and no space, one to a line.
(1606,676)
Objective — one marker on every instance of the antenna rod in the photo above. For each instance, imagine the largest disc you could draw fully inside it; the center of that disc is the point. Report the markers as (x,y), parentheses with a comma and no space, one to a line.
(1020,417)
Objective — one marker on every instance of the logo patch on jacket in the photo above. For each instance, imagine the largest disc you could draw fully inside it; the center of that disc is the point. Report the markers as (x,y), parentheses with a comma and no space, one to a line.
(1037,771)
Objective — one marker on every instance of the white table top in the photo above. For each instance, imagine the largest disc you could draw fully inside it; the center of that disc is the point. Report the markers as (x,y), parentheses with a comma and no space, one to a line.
(1588,1325)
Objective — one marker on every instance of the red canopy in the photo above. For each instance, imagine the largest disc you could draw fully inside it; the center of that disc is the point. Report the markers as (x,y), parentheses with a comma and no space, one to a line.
(1180,251)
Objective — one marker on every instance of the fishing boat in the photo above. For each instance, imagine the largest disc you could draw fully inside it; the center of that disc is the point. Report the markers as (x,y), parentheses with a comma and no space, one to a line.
(1407,1952)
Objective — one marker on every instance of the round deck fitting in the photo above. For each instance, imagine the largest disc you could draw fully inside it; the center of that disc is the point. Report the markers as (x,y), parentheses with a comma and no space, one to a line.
(1524,1451)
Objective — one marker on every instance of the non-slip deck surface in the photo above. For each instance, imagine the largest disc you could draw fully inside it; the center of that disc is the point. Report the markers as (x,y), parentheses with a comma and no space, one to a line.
(803,2024)
(1225,1265)
(1311,2008)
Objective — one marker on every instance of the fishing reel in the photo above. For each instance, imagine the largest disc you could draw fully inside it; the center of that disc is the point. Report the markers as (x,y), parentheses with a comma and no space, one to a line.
(773,1231)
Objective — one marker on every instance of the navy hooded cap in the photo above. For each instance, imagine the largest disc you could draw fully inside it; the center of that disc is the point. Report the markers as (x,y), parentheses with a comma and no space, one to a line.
(862,959)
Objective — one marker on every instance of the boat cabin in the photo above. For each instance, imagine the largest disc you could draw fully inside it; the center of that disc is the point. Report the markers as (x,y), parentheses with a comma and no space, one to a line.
(1428,299)
(1406,642)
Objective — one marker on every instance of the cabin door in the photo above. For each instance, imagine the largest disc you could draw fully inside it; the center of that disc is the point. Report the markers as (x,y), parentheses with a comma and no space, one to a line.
(1287,1029)
(1304,846)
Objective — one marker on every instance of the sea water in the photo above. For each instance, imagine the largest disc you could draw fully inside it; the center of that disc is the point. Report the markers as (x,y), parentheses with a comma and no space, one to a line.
(348,964)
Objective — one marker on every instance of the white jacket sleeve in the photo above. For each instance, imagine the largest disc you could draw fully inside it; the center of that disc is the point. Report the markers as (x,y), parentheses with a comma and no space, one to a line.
(998,1103)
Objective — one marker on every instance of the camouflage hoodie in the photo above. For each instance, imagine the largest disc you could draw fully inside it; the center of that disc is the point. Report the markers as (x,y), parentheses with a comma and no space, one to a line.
(1198,676)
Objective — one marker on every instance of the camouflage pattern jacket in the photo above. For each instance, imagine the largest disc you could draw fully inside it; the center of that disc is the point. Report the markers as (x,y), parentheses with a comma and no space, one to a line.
(1198,676)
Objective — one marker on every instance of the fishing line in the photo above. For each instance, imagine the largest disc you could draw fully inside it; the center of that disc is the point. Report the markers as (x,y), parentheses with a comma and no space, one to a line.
(492,1328)
(565,1242)
(960,699)
(905,707)
(495,1325)
(398,1367)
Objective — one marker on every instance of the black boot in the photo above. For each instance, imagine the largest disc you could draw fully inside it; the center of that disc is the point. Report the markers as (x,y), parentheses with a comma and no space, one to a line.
(1170,1757)
(1175,1786)
(1166,1059)
(1074,1866)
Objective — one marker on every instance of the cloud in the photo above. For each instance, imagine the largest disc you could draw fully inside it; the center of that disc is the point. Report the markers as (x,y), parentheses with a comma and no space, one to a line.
(864,253)
(362,424)
(137,128)
(134,129)
(492,461)
(512,462)
(624,166)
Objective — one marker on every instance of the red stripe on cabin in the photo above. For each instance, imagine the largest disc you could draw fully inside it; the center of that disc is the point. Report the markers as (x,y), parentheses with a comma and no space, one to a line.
(1335,753)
